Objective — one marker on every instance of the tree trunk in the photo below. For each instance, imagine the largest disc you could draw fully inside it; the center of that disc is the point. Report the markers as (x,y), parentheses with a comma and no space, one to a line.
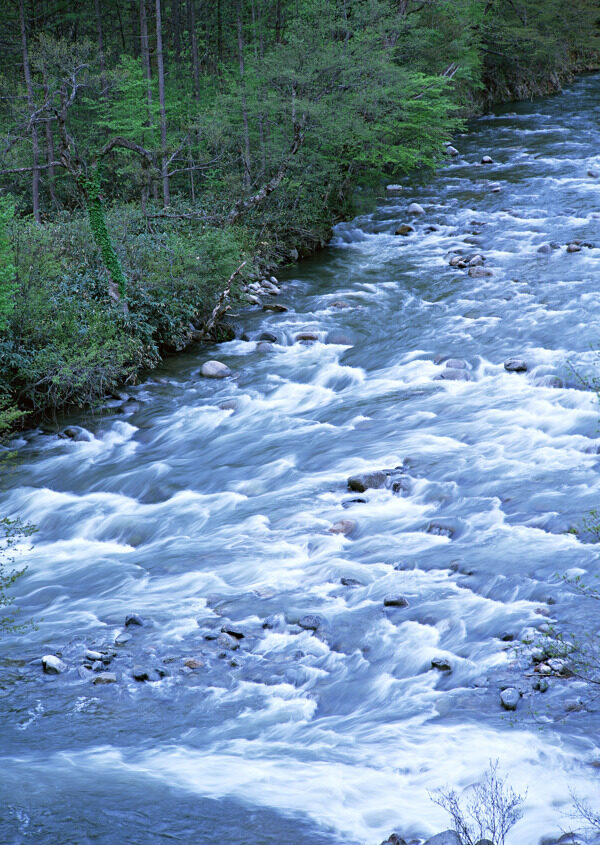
(246,151)
(100,46)
(175,12)
(161,98)
(191,15)
(34,132)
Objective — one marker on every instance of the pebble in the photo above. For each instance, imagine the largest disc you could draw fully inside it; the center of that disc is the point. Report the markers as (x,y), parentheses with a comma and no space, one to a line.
(53,665)
(415,208)
(395,601)
(515,365)
(509,698)
(487,160)
(310,622)
(344,526)
(105,678)
(215,369)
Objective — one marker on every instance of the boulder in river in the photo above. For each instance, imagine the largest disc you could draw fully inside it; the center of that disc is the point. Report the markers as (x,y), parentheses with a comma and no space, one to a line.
(487,160)
(509,698)
(343,526)
(393,190)
(340,303)
(545,249)
(133,619)
(515,365)
(451,151)
(228,642)
(367,481)
(215,369)
(479,272)
(442,664)
(53,665)
(105,678)
(573,247)
(439,530)
(593,174)
(350,582)
(272,338)
(415,208)
(452,374)
(405,229)
(305,337)
(310,622)
(395,601)
(276,307)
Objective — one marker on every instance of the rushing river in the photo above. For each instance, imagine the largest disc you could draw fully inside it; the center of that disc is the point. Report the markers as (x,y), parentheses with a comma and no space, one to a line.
(207,504)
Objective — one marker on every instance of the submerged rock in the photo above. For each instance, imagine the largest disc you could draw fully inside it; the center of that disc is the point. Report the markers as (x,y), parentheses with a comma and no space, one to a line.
(310,622)
(350,582)
(215,369)
(269,336)
(228,642)
(479,272)
(452,374)
(439,530)
(442,664)
(395,601)
(53,665)
(415,208)
(343,526)
(545,249)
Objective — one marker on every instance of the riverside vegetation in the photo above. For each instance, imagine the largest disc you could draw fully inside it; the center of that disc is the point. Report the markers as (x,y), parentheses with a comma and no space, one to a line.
(150,149)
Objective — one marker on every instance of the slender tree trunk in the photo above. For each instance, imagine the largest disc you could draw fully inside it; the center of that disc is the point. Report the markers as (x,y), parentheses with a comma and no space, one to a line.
(191,15)
(34,132)
(246,151)
(219,33)
(161,98)
(175,12)
(100,45)
(145,49)
(50,148)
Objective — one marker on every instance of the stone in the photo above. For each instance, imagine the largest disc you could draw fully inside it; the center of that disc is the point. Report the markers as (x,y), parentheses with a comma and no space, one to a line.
(276,307)
(122,639)
(228,642)
(274,621)
(457,364)
(447,837)
(509,698)
(367,481)
(350,582)
(215,369)
(270,287)
(294,254)
(545,249)
(340,303)
(193,663)
(339,339)
(93,655)
(76,432)
(105,678)
(253,300)
(415,208)
(456,260)
(558,666)
(401,486)
(227,629)
(541,685)
(140,673)
(451,374)
(272,338)
(496,189)
(593,174)
(264,346)
(405,229)
(395,839)
(230,405)
(441,664)
(307,336)
(479,272)
(393,190)
(439,530)
(451,151)
(574,705)
(53,665)
(395,601)
(573,247)
(133,619)
(477,261)
(487,160)
(310,622)
(543,669)
(484,842)
(343,526)
(515,365)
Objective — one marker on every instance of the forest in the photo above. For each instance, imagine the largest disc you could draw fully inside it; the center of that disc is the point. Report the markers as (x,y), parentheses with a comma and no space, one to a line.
(155,154)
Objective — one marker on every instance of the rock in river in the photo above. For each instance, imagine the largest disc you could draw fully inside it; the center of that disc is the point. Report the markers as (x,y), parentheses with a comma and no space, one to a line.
(367,481)
(344,526)
(53,665)
(415,208)
(133,619)
(447,837)
(395,601)
(310,622)
(487,160)
(509,698)
(515,365)
(441,664)
(405,229)
(105,678)
(215,369)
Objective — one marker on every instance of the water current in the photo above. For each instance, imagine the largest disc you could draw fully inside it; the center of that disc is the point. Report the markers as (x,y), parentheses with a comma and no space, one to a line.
(208,504)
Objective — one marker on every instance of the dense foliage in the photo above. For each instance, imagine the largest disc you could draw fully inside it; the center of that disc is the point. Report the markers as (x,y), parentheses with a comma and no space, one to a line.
(149,146)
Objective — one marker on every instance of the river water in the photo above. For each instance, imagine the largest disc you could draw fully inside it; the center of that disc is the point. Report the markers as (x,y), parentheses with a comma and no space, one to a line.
(198,517)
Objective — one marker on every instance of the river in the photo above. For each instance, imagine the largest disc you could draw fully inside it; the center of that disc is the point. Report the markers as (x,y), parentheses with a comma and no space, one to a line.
(199,517)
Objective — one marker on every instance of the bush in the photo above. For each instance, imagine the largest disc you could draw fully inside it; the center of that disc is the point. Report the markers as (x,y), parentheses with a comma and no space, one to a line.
(492,809)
